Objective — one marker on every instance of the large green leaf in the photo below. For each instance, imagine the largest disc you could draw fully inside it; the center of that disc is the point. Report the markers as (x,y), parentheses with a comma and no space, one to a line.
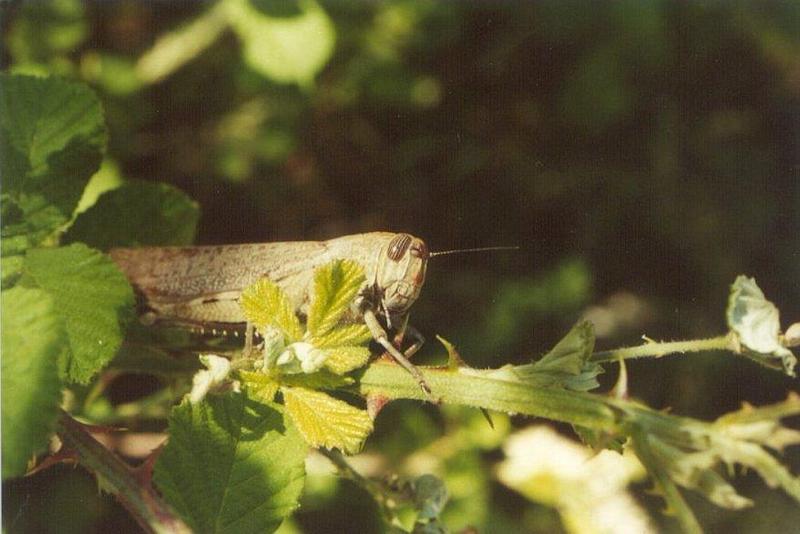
(91,296)
(52,137)
(287,49)
(137,214)
(231,465)
(32,340)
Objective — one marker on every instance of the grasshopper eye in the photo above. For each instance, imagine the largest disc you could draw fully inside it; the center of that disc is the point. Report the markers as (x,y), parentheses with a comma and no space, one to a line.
(398,246)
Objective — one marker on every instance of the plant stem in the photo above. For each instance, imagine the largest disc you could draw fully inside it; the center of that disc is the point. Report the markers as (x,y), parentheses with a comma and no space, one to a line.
(479,389)
(659,349)
(383,496)
(139,498)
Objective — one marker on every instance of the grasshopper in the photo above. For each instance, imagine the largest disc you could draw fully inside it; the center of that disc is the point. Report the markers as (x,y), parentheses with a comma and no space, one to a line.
(199,287)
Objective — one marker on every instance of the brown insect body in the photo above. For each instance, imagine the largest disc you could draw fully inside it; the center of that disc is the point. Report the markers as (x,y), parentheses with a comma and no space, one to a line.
(201,285)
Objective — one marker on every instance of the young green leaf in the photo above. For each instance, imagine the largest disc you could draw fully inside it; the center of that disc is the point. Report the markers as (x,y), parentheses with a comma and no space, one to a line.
(231,465)
(327,422)
(756,322)
(259,386)
(52,138)
(32,339)
(351,334)
(154,214)
(264,304)
(93,299)
(342,360)
(335,286)
(567,364)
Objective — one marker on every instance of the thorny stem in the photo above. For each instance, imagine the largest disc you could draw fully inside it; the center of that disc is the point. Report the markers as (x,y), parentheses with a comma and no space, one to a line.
(474,388)
(658,349)
(139,498)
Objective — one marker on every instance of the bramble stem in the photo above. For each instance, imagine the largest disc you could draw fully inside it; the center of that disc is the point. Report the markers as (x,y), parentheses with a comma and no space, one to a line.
(139,498)
(474,388)
(658,349)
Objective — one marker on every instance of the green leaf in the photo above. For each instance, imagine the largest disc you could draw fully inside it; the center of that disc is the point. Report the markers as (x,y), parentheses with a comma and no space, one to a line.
(106,179)
(756,322)
(259,386)
(327,422)
(265,305)
(32,339)
(286,49)
(231,465)
(336,284)
(351,334)
(12,269)
(137,214)
(52,138)
(93,299)
(322,379)
(567,364)
(342,360)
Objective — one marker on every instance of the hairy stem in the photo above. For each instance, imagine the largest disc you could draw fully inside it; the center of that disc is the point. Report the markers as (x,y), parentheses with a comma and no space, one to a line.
(479,389)
(139,498)
(658,349)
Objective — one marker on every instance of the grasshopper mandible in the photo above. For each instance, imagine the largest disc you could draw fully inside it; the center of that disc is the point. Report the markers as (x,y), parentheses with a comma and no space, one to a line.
(200,286)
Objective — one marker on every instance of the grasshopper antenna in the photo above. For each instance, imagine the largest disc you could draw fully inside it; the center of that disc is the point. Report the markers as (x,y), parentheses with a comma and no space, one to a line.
(460,250)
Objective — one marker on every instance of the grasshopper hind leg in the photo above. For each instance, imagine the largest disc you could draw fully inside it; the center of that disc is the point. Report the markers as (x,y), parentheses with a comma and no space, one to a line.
(379,334)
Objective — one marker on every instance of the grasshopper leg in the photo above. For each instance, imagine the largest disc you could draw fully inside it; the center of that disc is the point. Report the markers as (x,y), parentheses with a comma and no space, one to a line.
(248,339)
(379,334)
(416,335)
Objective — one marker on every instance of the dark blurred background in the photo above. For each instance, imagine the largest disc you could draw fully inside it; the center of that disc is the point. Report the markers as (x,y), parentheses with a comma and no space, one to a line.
(640,154)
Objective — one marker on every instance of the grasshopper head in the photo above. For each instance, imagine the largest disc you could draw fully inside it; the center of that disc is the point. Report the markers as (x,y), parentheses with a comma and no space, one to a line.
(401,272)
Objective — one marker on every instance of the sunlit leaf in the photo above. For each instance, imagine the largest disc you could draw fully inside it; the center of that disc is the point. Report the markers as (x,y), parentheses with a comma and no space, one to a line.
(231,465)
(32,340)
(93,299)
(327,422)
(342,360)
(351,334)
(264,304)
(335,286)
(287,49)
